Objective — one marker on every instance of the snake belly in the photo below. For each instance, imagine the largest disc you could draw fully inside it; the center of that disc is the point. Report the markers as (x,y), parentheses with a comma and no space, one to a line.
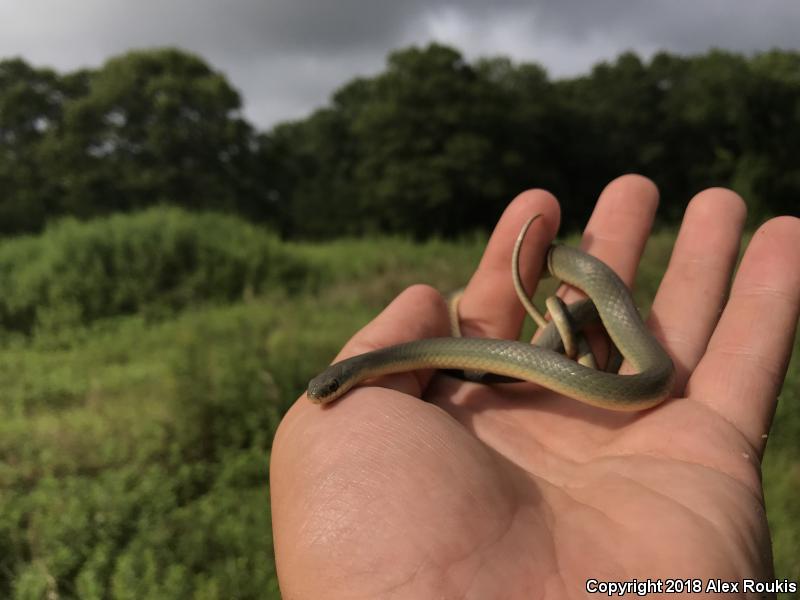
(649,385)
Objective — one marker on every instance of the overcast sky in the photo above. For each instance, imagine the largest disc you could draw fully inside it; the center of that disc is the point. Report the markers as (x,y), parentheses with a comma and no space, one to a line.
(287,56)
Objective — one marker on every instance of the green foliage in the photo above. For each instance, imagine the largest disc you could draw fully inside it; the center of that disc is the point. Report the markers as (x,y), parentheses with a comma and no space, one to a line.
(404,150)
(148,127)
(153,262)
(144,531)
(110,498)
(225,400)
(31,104)
(436,145)
(134,453)
(154,126)
(433,145)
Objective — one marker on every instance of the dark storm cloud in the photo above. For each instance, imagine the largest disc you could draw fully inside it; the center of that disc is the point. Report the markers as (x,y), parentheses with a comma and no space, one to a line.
(687,25)
(287,56)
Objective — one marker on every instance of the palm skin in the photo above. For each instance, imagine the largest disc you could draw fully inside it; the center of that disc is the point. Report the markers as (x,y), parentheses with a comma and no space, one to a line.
(512,491)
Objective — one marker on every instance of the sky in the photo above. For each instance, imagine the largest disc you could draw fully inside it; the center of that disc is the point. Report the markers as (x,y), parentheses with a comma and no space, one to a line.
(286,57)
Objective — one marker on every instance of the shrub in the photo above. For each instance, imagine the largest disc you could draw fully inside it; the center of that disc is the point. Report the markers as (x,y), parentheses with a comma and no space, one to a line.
(225,399)
(155,261)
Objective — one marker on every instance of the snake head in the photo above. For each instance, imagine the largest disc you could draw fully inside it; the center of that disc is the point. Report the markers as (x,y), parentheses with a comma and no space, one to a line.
(323,388)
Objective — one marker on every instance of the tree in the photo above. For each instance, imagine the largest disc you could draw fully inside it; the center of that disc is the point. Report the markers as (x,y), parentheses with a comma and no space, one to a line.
(769,171)
(408,132)
(312,176)
(31,105)
(433,145)
(516,108)
(155,126)
(609,125)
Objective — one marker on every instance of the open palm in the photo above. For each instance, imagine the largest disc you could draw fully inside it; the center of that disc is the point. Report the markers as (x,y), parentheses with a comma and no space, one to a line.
(512,491)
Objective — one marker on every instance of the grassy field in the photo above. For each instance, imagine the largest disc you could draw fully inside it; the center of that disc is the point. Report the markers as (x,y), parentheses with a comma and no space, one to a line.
(134,440)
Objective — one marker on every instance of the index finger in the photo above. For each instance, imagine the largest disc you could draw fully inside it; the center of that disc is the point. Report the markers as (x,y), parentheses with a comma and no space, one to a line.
(489,306)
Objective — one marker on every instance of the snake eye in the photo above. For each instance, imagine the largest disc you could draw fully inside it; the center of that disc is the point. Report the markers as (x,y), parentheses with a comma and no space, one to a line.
(331,387)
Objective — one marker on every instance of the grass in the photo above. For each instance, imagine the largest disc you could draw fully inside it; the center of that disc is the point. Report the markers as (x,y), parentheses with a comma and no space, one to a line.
(134,448)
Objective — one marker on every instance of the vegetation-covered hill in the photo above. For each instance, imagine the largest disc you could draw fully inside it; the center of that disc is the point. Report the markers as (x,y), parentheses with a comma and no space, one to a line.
(134,440)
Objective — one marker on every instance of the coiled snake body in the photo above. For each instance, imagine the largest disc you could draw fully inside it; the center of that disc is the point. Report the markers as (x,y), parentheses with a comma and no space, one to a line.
(542,362)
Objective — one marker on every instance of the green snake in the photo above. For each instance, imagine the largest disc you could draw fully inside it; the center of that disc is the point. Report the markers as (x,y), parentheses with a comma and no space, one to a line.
(549,361)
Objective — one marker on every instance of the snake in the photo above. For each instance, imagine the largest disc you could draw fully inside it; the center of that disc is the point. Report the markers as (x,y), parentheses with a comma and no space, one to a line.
(550,361)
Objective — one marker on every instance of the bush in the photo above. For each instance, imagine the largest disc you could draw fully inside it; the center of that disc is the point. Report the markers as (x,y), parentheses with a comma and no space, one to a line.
(177,508)
(225,399)
(156,261)
(133,533)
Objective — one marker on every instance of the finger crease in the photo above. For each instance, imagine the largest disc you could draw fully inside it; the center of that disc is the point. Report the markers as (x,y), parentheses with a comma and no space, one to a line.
(759,292)
(753,357)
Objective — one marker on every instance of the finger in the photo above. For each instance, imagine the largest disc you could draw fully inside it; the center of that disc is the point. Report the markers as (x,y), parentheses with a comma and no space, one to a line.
(418,312)
(489,306)
(745,363)
(616,234)
(619,226)
(693,291)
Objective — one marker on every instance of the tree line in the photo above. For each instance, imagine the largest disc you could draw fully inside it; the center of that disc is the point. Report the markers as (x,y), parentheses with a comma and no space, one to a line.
(432,145)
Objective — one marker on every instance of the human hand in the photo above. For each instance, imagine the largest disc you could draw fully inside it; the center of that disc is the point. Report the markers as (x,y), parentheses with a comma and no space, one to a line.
(513,491)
